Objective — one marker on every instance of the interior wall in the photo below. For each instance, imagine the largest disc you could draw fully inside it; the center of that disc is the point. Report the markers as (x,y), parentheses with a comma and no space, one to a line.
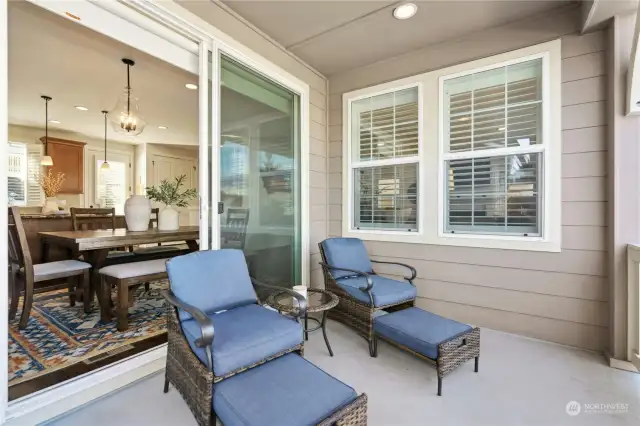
(232,26)
(32,135)
(560,297)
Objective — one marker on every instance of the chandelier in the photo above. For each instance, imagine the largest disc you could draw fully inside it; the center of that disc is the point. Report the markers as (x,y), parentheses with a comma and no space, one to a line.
(125,116)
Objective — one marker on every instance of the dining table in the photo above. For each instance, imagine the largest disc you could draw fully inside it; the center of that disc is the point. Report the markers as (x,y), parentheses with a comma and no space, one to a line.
(95,245)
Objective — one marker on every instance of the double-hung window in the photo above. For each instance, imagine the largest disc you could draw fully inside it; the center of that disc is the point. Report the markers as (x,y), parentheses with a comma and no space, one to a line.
(468,155)
(384,166)
(493,150)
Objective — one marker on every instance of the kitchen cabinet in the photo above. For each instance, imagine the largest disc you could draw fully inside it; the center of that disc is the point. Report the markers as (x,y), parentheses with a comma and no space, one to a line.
(68,158)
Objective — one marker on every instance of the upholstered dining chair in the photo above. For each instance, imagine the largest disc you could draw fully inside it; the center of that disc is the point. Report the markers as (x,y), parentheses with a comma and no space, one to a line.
(216,326)
(348,272)
(24,275)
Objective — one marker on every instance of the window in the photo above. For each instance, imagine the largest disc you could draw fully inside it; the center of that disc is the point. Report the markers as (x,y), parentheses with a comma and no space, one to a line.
(468,155)
(493,150)
(23,169)
(385,161)
(111,186)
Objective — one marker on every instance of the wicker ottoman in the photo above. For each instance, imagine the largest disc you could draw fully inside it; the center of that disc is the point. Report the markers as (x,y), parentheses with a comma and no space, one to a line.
(444,342)
(287,391)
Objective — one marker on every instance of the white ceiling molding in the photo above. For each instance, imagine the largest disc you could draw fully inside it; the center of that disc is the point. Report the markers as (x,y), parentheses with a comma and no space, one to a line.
(595,14)
(633,75)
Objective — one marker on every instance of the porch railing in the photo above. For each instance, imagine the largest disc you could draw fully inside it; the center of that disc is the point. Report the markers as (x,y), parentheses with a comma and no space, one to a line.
(633,308)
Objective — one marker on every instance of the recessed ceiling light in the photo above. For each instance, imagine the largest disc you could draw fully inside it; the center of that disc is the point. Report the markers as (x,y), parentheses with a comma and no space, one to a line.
(54,121)
(405,11)
(162,127)
(191,86)
(81,108)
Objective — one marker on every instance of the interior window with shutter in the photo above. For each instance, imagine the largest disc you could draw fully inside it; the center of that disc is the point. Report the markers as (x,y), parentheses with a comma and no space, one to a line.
(17,174)
(111,190)
(493,150)
(35,195)
(384,145)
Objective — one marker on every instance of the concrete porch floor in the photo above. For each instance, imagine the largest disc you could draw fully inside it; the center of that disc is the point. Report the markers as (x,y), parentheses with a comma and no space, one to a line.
(521,382)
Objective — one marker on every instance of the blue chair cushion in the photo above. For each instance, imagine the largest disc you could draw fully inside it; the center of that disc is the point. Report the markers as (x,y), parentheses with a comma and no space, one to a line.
(244,336)
(212,280)
(418,330)
(346,253)
(288,391)
(385,291)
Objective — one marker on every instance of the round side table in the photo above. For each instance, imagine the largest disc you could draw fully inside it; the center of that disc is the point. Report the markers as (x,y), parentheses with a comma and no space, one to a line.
(317,301)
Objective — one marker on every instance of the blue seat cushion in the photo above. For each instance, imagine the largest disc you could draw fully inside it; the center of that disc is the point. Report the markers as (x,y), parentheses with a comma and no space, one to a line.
(347,253)
(212,280)
(418,330)
(385,291)
(244,336)
(288,391)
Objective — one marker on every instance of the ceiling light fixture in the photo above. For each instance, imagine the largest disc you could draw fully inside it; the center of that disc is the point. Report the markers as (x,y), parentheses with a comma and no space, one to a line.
(191,86)
(104,167)
(125,116)
(405,11)
(46,159)
(162,127)
(81,108)
(54,121)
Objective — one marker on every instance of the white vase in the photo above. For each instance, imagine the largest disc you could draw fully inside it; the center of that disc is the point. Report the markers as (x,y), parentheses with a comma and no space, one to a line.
(168,219)
(50,206)
(137,212)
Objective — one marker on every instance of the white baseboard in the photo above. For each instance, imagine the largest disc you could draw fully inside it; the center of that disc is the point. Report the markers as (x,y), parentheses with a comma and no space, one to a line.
(45,405)
(620,364)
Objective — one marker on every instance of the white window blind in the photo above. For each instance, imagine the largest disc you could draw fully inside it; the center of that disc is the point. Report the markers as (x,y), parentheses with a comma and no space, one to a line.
(35,195)
(111,190)
(17,174)
(493,150)
(384,143)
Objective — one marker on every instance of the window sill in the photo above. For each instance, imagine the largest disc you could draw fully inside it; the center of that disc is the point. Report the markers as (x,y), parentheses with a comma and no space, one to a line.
(460,240)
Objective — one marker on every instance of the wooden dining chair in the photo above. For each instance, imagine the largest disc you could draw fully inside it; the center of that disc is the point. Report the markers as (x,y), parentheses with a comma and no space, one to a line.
(24,275)
(83,219)
(159,248)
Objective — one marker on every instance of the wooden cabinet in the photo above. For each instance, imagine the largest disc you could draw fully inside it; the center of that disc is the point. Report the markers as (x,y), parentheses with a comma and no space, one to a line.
(68,158)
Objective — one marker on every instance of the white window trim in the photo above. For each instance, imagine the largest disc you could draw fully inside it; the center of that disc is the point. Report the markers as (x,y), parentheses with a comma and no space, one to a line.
(431,215)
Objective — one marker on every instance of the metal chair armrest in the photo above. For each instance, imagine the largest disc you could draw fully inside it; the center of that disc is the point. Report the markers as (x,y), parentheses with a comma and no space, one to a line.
(302,302)
(206,325)
(414,274)
(366,275)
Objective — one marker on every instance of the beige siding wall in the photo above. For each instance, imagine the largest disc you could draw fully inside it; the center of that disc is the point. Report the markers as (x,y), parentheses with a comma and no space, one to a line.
(560,297)
(237,28)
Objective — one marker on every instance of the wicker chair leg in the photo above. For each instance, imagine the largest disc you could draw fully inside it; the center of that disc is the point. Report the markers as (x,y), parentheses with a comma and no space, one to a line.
(166,385)
(477,364)
(439,386)
(373,346)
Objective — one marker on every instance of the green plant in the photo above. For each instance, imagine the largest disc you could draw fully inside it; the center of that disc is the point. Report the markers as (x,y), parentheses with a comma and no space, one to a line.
(169,192)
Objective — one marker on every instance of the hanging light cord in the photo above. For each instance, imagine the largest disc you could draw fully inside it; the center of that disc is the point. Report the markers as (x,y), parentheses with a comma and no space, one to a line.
(128,91)
(46,125)
(105,135)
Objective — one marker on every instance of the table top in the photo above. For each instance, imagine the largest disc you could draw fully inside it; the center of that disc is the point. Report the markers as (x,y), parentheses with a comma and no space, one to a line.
(102,239)
(317,301)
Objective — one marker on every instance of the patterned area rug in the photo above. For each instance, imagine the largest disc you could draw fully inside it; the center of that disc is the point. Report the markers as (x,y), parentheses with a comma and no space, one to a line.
(58,335)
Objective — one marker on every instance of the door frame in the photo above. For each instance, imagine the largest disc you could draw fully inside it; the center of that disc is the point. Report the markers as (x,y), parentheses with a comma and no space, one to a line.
(169,32)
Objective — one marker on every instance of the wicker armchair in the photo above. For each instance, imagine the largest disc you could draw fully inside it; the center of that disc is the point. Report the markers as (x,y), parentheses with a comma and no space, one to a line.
(348,272)
(213,289)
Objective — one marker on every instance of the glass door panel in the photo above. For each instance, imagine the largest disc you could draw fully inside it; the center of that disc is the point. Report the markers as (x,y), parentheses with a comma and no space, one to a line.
(260,173)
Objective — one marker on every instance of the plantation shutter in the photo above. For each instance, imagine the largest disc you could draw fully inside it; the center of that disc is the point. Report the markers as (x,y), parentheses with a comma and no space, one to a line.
(35,195)
(385,161)
(111,185)
(493,111)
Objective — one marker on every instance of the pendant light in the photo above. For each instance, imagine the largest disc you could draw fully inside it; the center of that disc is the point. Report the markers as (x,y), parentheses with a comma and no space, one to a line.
(46,159)
(104,167)
(125,116)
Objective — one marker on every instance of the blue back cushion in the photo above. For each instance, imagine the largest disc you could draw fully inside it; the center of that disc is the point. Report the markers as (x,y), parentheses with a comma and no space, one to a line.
(346,253)
(212,280)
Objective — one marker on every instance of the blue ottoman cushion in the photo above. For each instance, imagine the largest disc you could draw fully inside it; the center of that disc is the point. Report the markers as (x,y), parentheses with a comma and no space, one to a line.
(418,330)
(287,391)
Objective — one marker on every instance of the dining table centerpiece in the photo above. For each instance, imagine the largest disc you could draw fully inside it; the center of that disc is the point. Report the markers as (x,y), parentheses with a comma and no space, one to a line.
(168,193)
(51,184)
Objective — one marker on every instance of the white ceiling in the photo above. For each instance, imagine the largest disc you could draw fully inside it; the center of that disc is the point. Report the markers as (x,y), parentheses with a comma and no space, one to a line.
(335,36)
(51,55)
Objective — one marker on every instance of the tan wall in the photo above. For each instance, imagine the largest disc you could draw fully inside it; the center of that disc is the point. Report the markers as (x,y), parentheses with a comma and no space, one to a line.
(560,297)
(237,28)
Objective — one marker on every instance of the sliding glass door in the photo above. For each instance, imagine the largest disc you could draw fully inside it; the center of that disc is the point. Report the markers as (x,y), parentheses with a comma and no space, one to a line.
(259,175)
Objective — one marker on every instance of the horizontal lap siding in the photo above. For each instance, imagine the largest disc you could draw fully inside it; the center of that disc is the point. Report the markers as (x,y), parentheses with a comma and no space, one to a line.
(228,22)
(560,297)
